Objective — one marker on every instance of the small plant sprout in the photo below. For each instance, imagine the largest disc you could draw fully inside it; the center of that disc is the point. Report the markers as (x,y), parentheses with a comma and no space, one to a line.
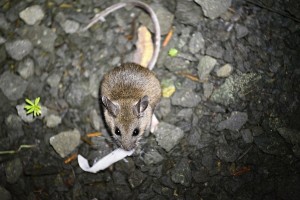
(33,107)
(173,52)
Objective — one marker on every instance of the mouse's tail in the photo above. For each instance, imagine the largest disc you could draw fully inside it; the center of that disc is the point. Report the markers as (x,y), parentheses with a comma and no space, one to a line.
(101,17)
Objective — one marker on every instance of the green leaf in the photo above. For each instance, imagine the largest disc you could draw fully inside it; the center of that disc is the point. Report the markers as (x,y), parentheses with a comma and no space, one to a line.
(37,100)
(29,102)
(173,52)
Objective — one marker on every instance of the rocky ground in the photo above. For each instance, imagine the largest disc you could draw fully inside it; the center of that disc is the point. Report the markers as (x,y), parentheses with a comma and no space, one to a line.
(231,130)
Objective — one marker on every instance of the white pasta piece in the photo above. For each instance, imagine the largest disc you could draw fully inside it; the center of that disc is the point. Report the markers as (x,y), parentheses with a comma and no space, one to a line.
(105,162)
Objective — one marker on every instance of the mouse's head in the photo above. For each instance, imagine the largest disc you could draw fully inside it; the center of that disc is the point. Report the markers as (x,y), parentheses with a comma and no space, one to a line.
(127,119)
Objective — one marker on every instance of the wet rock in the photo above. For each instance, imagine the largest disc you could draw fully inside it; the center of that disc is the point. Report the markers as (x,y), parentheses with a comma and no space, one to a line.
(234,86)
(26,68)
(18,49)
(4,194)
(168,136)
(196,43)
(12,85)
(185,98)
(215,50)
(70,26)
(40,36)
(65,142)
(271,144)
(165,19)
(32,15)
(76,94)
(52,120)
(3,54)
(29,117)
(234,122)
(13,170)
(241,31)
(293,137)
(227,153)
(188,12)
(136,178)
(152,157)
(200,139)
(247,135)
(214,8)
(95,119)
(182,173)
(224,71)
(205,66)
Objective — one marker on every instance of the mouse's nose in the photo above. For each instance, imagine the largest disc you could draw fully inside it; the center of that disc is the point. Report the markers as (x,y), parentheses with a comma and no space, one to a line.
(128,146)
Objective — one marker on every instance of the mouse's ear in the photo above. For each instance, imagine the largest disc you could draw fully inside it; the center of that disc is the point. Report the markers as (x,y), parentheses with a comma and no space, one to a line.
(110,106)
(141,105)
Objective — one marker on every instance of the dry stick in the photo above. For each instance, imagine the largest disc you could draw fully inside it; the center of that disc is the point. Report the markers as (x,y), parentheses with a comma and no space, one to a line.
(101,17)
(272,10)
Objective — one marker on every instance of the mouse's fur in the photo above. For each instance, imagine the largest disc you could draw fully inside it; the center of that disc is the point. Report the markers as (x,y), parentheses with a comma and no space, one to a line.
(129,94)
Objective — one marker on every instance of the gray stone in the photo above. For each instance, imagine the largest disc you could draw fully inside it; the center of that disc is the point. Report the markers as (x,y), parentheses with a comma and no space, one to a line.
(18,49)
(13,170)
(182,173)
(3,54)
(14,127)
(207,89)
(196,43)
(4,194)
(95,119)
(168,136)
(176,64)
(247,136)
(26,68)
(200,176)
(224,71)
(165,19)
(241,31)
(185,98)
(29,117)
(215,50)
(214,8)
(227,153)
(2,40)
(65,142)
(271,144)
(234,86)
(152,157)
(52,120)
(32,15)
(40,36)
(12,86)
(293,137)
(76,94)
(234,122)
(3,22)
(70,26)
(205,66)
(136,178)
(53,80)
(188,12)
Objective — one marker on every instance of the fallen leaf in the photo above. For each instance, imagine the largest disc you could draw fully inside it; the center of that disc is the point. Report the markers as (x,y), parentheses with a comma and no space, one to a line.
(168,37)
(144,45)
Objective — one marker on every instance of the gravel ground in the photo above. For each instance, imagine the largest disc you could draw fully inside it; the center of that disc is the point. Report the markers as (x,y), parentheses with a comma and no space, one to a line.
(230,130)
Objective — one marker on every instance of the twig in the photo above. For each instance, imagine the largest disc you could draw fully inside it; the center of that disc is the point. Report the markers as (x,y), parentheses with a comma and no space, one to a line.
(241,156)
(23,146)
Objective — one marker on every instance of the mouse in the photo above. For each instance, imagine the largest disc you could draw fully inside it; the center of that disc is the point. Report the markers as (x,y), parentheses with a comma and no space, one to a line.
(130,93)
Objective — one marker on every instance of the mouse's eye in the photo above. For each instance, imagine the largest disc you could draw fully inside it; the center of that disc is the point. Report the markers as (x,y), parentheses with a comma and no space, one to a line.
(117,132)
(135,132)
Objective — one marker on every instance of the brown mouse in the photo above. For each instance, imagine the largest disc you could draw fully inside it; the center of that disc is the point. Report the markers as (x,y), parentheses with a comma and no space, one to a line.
(130,93)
